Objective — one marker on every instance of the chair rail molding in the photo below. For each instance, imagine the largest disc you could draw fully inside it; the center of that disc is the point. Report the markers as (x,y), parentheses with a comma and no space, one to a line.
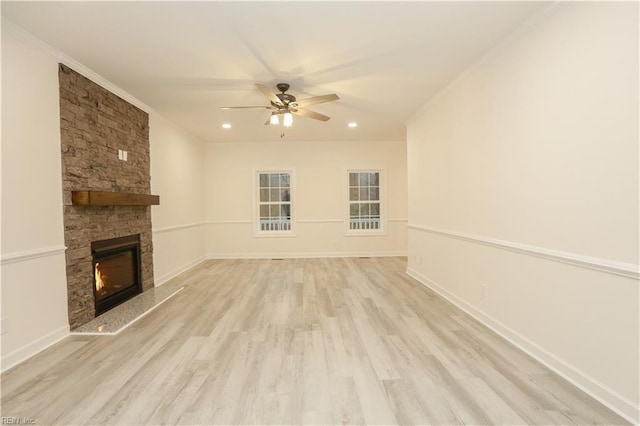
(26,255)
(627,270)
(178,227)
(230,222)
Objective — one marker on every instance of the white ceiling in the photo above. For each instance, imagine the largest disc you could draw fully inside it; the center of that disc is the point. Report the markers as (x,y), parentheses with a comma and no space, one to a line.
(188,59)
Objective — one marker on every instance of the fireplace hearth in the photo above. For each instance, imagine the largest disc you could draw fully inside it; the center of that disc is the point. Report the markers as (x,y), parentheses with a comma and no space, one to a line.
(116,271)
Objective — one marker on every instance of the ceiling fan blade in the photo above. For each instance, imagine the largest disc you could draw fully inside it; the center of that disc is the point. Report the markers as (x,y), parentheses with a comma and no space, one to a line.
(269,94)
(310,114)
(317,100)
(247,107)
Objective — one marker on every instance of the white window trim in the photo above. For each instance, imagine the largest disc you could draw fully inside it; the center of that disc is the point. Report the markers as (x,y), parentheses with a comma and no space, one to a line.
(257,232)
(383,205)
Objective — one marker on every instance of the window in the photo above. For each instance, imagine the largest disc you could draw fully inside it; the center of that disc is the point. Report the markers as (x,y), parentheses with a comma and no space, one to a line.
(274,201)
(365,210)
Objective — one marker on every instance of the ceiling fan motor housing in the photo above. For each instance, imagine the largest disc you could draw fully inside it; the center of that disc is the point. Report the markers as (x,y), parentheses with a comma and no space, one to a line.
(286,98)
(283,87)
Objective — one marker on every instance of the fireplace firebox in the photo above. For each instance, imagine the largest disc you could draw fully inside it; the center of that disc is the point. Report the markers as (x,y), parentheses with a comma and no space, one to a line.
(116,271)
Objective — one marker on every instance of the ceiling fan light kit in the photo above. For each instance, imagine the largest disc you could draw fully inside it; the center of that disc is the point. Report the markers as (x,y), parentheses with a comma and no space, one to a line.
(287,120)
(287,105)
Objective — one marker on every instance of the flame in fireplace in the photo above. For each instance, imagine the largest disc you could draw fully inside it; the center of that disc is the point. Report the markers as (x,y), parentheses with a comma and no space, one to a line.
(99,277)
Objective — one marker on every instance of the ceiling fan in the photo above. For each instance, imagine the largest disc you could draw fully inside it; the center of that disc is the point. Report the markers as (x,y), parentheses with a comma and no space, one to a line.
(286,105)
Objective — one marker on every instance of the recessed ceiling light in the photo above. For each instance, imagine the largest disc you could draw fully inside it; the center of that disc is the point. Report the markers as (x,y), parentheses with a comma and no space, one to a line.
(226,126)
(352,124)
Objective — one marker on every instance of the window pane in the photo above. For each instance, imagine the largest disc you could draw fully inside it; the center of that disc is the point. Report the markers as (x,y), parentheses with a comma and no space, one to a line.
(353,194)
(264,211)
(364,201)
(275,201)
(364,193)
(374,193)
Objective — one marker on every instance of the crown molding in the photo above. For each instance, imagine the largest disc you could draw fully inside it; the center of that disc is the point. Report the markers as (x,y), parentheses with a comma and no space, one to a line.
(61,57)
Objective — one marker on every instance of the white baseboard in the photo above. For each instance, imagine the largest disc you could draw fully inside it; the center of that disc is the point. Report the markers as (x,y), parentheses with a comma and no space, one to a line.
(299,255)
(31,349)
(608,397)
(168,276)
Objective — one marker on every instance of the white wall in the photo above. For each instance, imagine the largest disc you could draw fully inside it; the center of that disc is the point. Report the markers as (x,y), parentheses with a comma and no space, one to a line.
(34,289)
(34,286)
(523,179)
(177,175)
(319,202)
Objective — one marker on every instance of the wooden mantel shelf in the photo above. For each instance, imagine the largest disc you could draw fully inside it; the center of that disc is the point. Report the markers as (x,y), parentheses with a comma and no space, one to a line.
(104,198)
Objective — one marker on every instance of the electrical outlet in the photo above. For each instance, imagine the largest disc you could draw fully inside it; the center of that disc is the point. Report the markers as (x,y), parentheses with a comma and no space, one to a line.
(483,291)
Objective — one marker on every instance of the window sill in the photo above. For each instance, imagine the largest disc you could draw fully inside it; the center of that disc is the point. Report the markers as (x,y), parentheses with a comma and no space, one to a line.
(274,234)
(366,234)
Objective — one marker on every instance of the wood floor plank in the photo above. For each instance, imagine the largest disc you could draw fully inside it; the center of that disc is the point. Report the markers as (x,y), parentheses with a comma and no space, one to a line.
(404,403)
(430,396)
(496,409)
(377,350)
(338,362)
(296,341)
(345,404)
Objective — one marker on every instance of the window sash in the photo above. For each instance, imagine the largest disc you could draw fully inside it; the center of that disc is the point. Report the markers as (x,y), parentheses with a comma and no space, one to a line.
(274,201)
(365,210)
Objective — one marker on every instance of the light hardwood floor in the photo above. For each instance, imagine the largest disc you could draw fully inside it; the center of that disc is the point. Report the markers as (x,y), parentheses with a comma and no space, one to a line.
(296,341)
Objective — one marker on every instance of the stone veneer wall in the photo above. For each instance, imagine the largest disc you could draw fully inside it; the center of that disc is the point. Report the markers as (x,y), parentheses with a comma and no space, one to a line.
(94,125)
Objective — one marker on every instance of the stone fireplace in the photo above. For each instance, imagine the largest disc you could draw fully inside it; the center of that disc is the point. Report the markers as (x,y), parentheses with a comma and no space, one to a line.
(96,127)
